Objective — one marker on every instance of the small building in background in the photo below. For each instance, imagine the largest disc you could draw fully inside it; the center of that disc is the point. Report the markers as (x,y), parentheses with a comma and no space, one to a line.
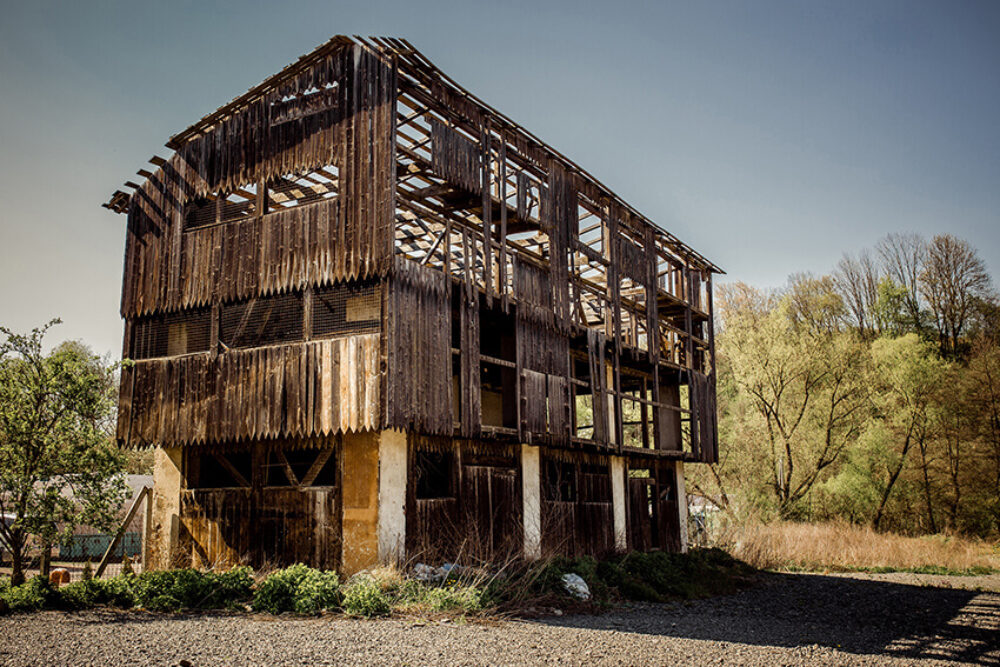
(373,318)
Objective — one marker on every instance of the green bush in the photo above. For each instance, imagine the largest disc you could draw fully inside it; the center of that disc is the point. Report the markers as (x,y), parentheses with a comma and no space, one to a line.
(363,596)
(171,590)
(318,591)
(298,588)
(36,593)
(450,598)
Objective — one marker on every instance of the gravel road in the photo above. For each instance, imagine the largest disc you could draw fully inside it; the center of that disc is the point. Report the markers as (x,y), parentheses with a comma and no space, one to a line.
(787,619)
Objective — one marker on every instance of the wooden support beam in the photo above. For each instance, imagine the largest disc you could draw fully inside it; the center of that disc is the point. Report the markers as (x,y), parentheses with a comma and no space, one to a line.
(143,495)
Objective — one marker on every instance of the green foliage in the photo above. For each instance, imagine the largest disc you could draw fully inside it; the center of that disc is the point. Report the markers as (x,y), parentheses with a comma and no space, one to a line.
(88,571)
(363,596)
(298,588)
(59,467)
(885,417)
(651,577)
(450,598)
(171,590)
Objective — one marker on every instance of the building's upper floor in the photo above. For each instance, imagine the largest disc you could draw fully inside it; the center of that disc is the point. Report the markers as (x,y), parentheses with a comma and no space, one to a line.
(362,194)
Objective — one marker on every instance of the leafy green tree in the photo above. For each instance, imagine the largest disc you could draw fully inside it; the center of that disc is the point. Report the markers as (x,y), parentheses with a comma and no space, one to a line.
(801,391)
(908,375)
(59,466)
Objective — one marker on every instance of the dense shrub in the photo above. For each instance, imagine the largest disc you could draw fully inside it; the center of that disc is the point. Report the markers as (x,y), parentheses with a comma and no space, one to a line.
(363,596)
(298,588)
(650,577)
(454,598)
(171,590)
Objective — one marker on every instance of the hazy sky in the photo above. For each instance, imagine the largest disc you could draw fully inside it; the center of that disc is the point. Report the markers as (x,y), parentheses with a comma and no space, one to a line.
(770,136)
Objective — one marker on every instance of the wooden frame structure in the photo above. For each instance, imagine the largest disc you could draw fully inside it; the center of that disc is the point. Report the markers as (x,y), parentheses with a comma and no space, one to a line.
(359,245)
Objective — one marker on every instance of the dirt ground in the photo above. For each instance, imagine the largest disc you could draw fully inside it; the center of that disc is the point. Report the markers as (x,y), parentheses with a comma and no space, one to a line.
(787,619)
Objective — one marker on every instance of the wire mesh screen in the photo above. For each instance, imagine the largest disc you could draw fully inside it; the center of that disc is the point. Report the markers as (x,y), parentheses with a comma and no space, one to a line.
(346,309)
(266,321)
(199,213)
(172,334)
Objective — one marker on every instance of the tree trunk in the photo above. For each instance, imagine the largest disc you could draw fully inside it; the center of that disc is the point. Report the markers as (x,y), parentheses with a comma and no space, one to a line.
(927,487)
(17,559)
(45,560)
(892,482)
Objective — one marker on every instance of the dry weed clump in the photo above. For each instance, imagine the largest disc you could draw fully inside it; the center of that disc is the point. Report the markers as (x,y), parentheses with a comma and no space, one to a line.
(843,546)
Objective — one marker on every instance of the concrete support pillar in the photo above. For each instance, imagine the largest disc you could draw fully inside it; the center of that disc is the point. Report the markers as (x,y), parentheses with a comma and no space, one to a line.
(682,504)
(163,534)
(618,502)
(531,495)
(360,495)
(392,497)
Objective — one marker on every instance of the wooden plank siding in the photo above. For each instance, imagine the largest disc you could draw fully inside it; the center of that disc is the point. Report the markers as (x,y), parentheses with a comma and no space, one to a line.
(302,390)
(462,218)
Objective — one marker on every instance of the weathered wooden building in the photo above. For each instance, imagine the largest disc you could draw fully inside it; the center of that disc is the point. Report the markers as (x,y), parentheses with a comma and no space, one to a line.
(372,317)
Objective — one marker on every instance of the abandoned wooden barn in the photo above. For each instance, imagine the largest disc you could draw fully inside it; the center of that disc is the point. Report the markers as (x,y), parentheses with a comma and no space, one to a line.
(373,318)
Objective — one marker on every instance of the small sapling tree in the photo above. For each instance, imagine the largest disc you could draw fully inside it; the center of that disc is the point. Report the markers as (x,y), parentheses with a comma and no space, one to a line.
(59,467)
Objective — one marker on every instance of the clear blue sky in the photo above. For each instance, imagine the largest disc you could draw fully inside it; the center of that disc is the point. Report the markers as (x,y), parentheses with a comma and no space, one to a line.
(770,136)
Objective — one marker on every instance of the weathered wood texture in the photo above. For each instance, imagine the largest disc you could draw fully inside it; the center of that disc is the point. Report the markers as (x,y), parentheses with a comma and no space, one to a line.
(653,511)
(348,124)
(363,150)
(260,525)
(577,509)
(304,390)
(480,517)
(418,386)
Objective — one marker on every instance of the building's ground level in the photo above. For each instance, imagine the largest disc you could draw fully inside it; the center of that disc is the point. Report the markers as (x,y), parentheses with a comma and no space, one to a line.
(351,501)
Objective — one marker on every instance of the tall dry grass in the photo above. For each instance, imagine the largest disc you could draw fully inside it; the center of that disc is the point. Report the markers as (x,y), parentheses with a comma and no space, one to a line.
(843,546)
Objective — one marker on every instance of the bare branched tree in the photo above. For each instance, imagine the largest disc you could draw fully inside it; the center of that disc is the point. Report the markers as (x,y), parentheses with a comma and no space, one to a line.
(954,278)
(857,282)
(903,257)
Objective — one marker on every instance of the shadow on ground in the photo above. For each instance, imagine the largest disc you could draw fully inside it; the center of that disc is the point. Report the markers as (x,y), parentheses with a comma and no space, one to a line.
(852,615)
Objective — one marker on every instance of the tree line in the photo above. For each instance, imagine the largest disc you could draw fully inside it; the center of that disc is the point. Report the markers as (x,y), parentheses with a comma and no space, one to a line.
(870,394)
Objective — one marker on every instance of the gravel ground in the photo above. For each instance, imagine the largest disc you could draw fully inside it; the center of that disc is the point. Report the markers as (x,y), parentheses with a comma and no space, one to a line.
(787,619)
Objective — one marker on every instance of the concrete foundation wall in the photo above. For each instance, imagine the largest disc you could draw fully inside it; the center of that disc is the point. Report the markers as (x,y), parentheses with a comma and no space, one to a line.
(392,497)
(618,501)
(360,481)
(531,494)
(163,532)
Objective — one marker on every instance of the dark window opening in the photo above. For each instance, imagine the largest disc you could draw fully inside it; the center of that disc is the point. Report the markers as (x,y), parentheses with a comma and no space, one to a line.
(267,321)
(220,471)
(346,309)
(668,485)
(560,480)
(172,334)
(300,467)
(433,472)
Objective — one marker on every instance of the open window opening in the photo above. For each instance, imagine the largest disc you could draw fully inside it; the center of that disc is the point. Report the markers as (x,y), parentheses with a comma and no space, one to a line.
(310,187)
(434,474)
(300,468)
(560,481)
(220,470)
(265,321)
(172,334)
(346,309)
